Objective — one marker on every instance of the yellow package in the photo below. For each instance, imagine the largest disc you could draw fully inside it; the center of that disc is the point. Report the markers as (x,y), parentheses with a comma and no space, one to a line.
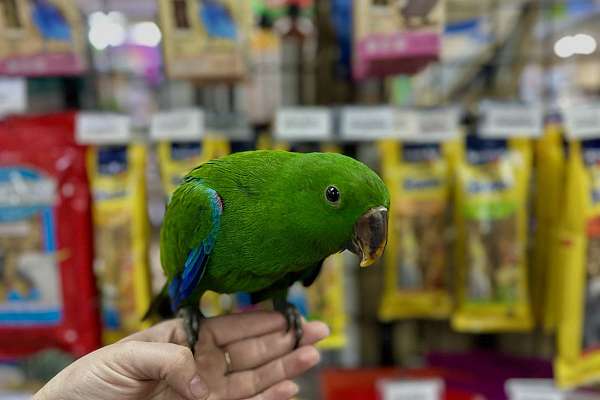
(176,159)
(549,185)
(325,299)
(578,360)
(492,186)
(120,233)
(327,303)
(417,257)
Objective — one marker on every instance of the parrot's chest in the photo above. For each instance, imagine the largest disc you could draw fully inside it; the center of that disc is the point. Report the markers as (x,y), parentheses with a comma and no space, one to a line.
(240,278)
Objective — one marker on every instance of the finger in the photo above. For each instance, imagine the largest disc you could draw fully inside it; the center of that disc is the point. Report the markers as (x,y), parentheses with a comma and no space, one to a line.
(254,352)
(234,327)
(169,362)
(281,391)
(249,383)
(170,331)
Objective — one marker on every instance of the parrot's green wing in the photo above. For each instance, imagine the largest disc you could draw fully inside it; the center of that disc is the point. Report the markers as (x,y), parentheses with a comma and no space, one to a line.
(188,236)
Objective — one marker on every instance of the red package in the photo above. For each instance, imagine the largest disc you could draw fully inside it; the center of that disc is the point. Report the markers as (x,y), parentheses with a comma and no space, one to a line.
(47,290)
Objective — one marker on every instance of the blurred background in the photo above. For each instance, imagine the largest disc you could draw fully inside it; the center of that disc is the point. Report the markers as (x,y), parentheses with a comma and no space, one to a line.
(482,117)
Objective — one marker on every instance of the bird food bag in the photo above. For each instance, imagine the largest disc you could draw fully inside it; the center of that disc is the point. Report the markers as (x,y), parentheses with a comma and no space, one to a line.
(418,256)
(121,236)
(326,301)
(549,184)
(578,360)
(42,37)
(392,37)
(491,220)
(205,40)
(176,159)
(47,291)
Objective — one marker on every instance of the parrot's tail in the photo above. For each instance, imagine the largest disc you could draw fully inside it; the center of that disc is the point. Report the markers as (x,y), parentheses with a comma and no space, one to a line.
(160,306)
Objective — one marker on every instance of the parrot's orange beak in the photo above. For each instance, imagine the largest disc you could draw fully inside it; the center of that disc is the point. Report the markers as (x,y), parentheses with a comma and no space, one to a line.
(370,235)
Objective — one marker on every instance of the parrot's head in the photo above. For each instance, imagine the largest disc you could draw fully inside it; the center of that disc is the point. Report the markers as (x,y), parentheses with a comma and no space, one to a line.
(344,203)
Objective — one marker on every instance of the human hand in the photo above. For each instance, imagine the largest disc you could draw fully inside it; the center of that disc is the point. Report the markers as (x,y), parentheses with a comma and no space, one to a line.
(156,364)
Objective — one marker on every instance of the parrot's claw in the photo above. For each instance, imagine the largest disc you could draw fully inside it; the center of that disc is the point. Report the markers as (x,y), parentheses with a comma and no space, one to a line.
(293,319)
(192,319)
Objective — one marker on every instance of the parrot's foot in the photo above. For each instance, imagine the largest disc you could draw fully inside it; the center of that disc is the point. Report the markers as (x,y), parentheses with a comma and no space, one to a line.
(192,319)
(293,318)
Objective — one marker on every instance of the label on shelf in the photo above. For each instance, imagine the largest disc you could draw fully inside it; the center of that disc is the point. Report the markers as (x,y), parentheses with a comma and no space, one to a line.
(533,389)
(417,389)
(304,124)
(507,120)
(13,96)
(102,128)
(435,125)
(178,125)
(367,123)
(582,122)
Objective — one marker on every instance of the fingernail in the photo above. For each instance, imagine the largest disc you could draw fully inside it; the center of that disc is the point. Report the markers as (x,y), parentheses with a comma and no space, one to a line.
(198,388)
(294,389)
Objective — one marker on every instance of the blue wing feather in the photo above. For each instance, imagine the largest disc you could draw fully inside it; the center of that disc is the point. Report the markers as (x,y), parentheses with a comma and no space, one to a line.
(182,286)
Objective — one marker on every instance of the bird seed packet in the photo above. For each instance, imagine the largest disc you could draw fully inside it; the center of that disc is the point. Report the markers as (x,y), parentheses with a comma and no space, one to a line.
(418,255)
(205,40)
(491,221)
(578,275)
(41,38)
(547,202)
(396,37)
(325,299)
(47,292)
(176,159)
(117,178)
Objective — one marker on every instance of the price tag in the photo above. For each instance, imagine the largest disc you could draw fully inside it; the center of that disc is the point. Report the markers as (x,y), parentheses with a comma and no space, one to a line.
(503,120)
(367,123)
(405,124)
(422,389)
(232,125)
(102,128)
(304,124)
(178,125)
(533,389)
(582,122)
(434,125)
(13,96)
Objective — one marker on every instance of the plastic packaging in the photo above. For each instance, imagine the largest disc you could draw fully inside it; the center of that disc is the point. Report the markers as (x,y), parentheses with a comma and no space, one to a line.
(418,255)
(549,183)
(205,40)
(176,159)
(396,37)
(47,291)
(578,360)
(42,38)
(121,236)
(492,179)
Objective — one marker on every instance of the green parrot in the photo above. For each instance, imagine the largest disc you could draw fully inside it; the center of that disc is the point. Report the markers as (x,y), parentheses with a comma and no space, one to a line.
(258,221)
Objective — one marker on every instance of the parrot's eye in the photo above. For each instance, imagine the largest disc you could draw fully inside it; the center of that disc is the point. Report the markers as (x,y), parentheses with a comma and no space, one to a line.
(332,194)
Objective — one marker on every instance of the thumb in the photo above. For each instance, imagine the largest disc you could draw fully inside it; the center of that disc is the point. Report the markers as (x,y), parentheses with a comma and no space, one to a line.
(169,362)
